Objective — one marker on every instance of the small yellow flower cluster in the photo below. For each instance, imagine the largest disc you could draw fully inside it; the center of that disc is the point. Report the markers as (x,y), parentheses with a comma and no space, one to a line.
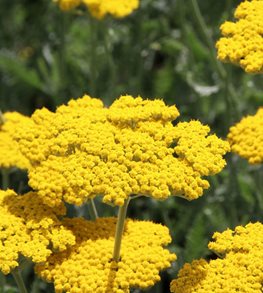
(243,239)
(246,138)
(88,266)
(10,156)
(117,8)
(29,230)
(242,43)
(132,147)
(100,8)
(66,5)
(241,270)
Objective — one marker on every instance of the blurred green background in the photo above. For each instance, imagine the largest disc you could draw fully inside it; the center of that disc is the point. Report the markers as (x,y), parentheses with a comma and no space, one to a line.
(166,49)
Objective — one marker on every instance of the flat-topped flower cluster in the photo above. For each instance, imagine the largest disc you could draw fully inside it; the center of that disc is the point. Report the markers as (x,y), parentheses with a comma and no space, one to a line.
(100,8)
(85,149)
(239,270)
(246,138)
(242,41)
(132,147)
(10,155)
(88,266)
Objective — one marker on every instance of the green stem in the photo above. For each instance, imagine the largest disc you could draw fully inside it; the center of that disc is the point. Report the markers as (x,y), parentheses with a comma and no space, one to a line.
(2,118)
(119,230)
(5,178)
(110,60)
(19,281)
(2,282)
(93,62)
(207,38)
(92,210)
(231,96)
(62,57)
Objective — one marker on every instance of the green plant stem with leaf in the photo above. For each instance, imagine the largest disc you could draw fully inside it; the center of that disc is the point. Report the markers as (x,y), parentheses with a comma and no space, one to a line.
(2,282)
(231,105)
(230,95)
(19,280)
(93,72)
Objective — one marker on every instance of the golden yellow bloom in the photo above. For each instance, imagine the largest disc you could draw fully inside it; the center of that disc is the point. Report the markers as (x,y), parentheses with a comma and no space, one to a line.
(10,156)
(241,270)
(67,5)
(88,266)
(235,273)
(246,138)
(243,239)
(132,147)
(242,41)
(117,8)
(29,228)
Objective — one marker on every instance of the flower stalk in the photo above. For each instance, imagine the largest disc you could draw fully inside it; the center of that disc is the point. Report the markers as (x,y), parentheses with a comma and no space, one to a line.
(5,178)
(119,230)
(19,280)
(2,118)
(92,210)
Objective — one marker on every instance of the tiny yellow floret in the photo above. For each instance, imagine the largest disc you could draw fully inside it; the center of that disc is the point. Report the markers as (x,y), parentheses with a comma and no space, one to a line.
(88,266)
(242,41)
(246,138)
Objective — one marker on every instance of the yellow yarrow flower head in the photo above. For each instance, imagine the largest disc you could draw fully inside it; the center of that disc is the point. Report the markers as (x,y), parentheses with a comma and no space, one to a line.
(88,266)
(235,273)
(66,5)
(243,239)
(100,8)
(29,228)
(241,270)
(132,147)
(242,41)
(10,156)
(246,138)
(116,8)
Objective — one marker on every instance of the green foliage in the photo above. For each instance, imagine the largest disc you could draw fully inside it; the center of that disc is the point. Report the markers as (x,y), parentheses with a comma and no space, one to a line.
(196,241)
(48,57)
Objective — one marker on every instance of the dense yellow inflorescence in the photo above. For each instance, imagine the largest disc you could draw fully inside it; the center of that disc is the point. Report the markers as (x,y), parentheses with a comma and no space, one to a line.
(67,5)
(243,239)
(246,138)
(242,41)
(88,266)
(132,147)
(241,269)
(29,230)
(10,156)
(116,8)
(100,8)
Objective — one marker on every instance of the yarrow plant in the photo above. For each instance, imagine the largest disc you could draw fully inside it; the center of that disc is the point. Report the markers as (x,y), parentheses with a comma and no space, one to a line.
(84,149)
(132,148)
(242,41)
(100,8)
